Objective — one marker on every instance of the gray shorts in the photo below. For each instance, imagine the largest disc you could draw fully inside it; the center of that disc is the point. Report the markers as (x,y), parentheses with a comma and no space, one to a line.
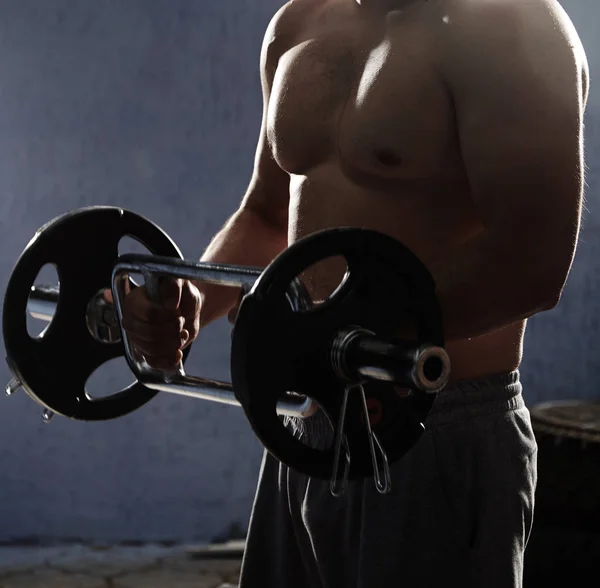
(459,513)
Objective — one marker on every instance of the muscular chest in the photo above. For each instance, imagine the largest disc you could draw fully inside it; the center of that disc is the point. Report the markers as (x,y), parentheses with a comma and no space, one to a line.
(372,100)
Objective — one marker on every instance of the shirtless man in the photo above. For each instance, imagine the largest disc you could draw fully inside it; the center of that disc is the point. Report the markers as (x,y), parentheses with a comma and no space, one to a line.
(455,126)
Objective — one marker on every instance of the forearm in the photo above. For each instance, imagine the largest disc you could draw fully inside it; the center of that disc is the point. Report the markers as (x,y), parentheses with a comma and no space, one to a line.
(489,283)
(247,239)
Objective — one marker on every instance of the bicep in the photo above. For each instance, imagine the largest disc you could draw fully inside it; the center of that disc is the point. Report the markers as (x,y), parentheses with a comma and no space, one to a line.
(522,151)
(519,102)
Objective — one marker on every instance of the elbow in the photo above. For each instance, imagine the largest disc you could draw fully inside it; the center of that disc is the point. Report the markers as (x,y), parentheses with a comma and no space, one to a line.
(547,294)
(545,275)
(550,301)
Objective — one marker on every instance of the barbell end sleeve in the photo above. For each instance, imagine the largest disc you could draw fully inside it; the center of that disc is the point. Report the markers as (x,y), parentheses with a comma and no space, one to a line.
(432,369)
(358,354)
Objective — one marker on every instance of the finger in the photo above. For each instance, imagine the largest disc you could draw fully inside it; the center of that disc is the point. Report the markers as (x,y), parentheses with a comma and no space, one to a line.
(193,328)
(168,355)
(168,334)
(145,310)
(165,362)
(157,349)
(153,331)
(189,307)
(107,294)
(185,337)
(170,292)
(189,298)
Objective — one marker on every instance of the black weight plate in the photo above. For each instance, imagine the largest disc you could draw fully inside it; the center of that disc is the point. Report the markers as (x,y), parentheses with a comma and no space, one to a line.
(276,348)
(53,369)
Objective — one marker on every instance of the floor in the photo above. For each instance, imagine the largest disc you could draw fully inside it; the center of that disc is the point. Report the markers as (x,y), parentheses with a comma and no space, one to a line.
(81,566)
(556,557)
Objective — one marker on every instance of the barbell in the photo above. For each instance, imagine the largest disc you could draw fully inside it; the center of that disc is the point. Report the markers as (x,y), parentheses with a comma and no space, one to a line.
(286,351)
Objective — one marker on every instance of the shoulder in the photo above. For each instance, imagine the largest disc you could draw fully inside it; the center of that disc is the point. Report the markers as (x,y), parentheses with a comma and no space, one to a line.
(285,28)
(508,20)
(512,34)
(290,19)
(487,8)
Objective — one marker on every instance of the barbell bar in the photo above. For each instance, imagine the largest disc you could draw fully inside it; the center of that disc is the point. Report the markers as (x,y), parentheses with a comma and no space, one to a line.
(42,303)
(373,359)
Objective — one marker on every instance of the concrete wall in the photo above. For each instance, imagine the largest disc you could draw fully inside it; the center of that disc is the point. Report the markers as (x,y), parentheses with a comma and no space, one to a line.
(154,105)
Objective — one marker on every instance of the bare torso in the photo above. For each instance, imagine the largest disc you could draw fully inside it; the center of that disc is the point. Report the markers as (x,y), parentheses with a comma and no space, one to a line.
(364,126)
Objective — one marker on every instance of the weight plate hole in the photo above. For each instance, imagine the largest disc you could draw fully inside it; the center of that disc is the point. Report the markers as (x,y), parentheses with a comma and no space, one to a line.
(129,244)
(41,304)
(321,281)
(112,376)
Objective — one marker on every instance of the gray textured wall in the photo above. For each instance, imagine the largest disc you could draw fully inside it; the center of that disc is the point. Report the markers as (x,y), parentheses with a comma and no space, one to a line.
(154,105)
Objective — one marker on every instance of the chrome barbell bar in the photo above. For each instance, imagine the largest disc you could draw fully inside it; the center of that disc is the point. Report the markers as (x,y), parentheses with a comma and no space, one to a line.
(43,300)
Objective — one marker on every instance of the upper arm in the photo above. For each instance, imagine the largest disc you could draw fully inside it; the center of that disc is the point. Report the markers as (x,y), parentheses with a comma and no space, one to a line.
(268,192)
(516,73)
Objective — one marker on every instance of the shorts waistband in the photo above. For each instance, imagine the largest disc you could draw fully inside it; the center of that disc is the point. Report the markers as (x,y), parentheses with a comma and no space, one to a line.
(478,396)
